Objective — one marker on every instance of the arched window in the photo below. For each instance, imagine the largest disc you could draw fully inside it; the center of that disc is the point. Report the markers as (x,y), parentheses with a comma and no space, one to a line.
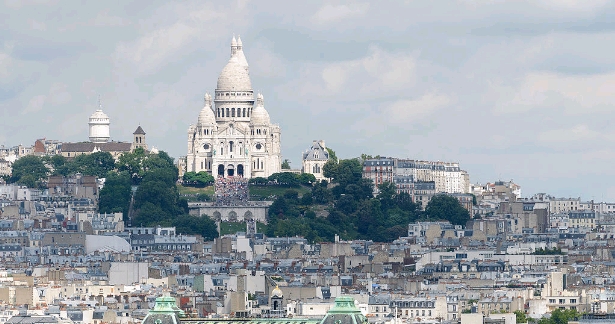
(244,112)
(232,112)
(230,146)
(218,112)
(227,112)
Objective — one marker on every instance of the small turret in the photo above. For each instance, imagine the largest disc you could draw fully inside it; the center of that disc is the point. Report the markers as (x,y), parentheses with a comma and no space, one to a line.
(239,44)
(233,46)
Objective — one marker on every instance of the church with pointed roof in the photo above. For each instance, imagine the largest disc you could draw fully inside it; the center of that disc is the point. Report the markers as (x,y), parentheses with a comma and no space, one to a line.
(233,135)
(100,139)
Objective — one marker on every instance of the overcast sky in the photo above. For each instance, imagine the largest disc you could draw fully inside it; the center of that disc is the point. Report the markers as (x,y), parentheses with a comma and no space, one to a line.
(520,90)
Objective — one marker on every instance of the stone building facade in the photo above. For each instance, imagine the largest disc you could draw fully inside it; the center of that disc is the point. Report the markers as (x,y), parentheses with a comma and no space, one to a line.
(314,159)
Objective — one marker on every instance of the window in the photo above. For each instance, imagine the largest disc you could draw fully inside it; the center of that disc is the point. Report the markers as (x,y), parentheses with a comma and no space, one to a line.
(232,112)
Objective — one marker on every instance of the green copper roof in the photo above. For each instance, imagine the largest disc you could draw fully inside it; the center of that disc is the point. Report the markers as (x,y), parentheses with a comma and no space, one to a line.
(343,312)
(166,305)
(344,305)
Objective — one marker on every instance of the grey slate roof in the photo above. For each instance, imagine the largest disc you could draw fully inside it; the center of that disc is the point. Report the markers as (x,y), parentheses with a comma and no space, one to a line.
(32,319)
(316,153)
(89,147)
(139,131)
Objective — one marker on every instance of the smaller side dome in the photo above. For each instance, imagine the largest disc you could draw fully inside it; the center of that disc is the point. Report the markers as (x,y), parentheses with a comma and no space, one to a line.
(206,116)
(259,116)
(277,292)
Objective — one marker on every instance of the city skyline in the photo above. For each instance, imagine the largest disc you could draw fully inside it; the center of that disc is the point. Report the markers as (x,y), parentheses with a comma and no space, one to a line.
(509,90)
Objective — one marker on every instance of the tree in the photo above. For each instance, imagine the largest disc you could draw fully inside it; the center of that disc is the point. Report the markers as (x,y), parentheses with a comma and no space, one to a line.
(387,193)
(321,194)
(132,162)
(332,156)
(286,164)
(445,207)
(158,194)
(191,225)
(329,170)
(348,171)
(200,179)
(258,181)
(346,204)
(285,178)
(97,164)
(29,171)
(307,179)
(115,195)
(559,316)
(59,164)
(521,317)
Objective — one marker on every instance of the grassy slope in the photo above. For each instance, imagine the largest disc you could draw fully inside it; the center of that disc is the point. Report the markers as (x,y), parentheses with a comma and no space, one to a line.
(266,191)
(232,228)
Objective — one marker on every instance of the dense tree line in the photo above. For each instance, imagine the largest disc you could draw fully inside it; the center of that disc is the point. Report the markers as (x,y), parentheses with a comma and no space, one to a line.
(156,199)
(197,179)
(154,176)
(32,171)
(558,316)
(285,179)
(348,208)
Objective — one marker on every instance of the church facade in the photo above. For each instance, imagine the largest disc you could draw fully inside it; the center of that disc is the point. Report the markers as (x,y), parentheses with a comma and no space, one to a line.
(234,135)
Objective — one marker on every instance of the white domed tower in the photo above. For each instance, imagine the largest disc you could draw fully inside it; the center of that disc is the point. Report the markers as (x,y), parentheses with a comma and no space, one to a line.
(266,158)
(276,302)
(99,127)
(224,141)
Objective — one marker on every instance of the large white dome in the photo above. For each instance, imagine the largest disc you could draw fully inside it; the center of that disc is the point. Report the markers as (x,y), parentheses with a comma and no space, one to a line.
(234,76)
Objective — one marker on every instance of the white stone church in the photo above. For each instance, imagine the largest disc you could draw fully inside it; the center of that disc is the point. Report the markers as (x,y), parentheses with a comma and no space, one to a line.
(234,136)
